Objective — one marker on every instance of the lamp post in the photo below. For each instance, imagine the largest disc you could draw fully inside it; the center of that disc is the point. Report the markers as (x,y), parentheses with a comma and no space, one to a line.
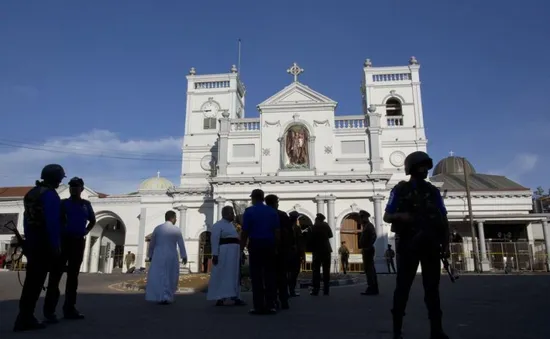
(471,215)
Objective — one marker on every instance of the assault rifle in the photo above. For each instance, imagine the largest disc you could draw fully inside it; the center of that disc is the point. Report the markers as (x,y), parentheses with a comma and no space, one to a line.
(450,270)
(20,244)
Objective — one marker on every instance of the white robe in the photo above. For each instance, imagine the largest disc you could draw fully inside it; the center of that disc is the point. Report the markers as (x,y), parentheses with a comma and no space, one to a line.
(225,276)
(163,275)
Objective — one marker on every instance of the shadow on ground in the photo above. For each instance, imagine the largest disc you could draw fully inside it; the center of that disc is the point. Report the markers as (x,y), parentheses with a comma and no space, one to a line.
(502,307)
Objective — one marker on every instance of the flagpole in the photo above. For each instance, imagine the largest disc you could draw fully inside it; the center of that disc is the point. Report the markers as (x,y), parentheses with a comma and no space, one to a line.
(239,59)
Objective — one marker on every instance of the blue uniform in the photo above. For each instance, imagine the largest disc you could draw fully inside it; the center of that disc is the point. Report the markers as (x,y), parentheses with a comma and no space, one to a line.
(393,201)
(260,222)
(77,213)
(51,206)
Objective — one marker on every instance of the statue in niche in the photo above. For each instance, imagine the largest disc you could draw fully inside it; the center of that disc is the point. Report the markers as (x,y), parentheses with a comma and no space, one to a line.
(296,146)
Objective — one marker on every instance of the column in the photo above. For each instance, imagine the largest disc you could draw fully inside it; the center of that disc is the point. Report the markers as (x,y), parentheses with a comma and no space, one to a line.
(374,131)
(221,204)
(85,261)
(183,220)
(141,251)
(311,149)
(331,219)
(94,263)
(320,204)
(223,143)
(546,233)
(382,238)
(482,246)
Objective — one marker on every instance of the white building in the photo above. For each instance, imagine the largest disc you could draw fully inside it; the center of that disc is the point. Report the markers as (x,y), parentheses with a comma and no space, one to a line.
(315,161)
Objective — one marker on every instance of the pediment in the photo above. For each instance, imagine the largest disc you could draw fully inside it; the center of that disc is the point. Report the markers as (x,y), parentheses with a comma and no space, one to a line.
(297,94)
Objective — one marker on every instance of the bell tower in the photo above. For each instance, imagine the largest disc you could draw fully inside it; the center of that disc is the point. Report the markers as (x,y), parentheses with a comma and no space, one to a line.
(208,97)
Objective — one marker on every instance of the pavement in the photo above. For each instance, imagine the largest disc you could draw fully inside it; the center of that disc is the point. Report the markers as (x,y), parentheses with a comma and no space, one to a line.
(496,306)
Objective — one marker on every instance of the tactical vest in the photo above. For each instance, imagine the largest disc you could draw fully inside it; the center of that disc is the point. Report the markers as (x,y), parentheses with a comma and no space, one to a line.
(34,210)
(420,202)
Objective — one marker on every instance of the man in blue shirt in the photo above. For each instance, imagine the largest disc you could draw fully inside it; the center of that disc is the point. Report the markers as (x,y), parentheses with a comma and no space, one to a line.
(42,226)
(78,219)
(261,234)
(419,219)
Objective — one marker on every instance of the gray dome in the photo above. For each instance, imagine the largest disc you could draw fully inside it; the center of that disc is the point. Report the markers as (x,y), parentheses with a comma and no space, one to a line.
(453,165)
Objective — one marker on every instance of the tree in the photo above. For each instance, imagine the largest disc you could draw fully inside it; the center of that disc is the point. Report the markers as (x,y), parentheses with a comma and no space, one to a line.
(539,192)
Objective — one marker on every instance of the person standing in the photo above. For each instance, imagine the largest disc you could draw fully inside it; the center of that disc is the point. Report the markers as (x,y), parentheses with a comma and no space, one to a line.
(42,225)
(226,260)
(419,219)
(343,251)
(297,254)
(322,250)
(367,240)
(389,255)
(283,250)
(78,218)
(129,259)
(163,275)
(261,234)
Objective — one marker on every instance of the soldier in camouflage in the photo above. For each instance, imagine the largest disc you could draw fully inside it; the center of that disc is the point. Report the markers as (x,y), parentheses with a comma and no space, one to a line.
(419,219)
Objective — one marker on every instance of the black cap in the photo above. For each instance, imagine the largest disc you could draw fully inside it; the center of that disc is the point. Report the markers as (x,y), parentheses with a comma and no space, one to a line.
(257,194)
(76,182)
(320,216)
(271,199)
(363,212)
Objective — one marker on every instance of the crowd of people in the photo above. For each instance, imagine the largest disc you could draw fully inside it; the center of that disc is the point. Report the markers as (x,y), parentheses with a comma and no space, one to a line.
(274,240)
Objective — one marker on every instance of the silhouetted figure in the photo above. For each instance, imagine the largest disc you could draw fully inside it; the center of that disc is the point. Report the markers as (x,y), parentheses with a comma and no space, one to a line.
(366,241)
(343,251)
(389,255)
(321,250)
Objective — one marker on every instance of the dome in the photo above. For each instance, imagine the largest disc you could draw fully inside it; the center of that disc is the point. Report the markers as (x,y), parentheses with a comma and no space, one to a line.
(452,165)
(157,183)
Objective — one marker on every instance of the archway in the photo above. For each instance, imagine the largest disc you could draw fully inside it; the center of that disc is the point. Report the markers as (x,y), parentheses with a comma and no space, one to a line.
(349,232)
(205,252)
(104,250)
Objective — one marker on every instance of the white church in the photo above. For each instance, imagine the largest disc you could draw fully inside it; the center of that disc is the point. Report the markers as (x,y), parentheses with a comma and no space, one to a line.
(316,162)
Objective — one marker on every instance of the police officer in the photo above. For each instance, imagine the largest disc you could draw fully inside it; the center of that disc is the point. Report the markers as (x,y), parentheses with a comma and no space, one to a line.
(261,233)
(367,240)
(297,254)
(42,225)
(321,234)
(283,250)
(419,218)
(78,219)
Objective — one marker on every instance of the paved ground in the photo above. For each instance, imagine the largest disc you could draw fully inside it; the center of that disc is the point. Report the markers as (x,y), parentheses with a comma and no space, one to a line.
(499,307)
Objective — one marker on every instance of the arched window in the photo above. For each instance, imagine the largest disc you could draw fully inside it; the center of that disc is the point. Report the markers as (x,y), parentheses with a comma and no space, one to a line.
(393,107)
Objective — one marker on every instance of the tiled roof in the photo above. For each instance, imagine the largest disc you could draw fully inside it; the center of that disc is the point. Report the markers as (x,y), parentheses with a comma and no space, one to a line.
(477,182)
(14,192)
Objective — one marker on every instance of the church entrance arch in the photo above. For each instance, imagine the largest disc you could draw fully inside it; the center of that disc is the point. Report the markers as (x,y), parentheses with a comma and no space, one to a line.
(104,251)
(205,252)
(349,232)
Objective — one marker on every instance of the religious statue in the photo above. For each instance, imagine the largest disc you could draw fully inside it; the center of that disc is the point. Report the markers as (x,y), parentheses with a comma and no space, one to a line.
(296,146)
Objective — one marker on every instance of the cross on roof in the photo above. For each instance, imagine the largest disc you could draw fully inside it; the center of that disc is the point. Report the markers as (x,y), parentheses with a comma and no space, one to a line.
(295,70)
(158,174)
(451,153)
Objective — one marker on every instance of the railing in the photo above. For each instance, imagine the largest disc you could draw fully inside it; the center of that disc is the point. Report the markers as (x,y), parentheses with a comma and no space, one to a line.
(350,122)
(211,84)
(245,125)
(391,77)
(395,121)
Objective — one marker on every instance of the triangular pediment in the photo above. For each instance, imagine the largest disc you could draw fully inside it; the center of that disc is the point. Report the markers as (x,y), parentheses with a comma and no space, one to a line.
(297,94)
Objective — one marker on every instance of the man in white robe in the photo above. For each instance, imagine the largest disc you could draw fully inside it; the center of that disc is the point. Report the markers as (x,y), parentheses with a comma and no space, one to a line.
(226,258)
(163,275)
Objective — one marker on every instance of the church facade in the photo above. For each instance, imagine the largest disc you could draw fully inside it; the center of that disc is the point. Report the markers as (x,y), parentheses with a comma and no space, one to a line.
(299,149)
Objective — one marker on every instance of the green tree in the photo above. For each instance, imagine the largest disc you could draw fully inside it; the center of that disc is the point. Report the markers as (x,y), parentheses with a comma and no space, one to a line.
(539,192)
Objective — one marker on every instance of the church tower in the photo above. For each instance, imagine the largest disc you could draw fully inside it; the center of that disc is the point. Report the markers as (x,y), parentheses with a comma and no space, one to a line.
(392,102)
(209,96)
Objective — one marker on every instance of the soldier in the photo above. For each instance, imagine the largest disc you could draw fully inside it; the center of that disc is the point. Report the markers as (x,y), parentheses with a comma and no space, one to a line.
(322,251)
(367,240)
(419,219)
(78,219)
(42,224)
(283,251)
(343,251)
(297,255)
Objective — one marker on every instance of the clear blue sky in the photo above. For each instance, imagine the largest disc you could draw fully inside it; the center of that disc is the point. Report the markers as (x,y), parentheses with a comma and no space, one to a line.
(108,77)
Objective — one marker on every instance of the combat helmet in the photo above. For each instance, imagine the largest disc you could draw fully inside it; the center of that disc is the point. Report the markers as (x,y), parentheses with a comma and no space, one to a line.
(417,158)
(76,182)
(52,173)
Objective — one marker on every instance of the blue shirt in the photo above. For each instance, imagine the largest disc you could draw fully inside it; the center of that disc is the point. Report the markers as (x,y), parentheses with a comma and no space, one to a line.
(77,214)
(391,207)
(51,204)
(260,222)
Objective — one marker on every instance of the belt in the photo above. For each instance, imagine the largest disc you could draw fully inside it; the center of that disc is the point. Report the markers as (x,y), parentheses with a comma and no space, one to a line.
(227,241)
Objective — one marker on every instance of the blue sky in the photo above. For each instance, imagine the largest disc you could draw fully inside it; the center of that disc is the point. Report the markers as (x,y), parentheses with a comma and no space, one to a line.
(108,77)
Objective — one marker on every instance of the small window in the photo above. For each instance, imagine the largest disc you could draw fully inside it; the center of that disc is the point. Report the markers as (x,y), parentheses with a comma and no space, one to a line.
(393,107)
(209,123)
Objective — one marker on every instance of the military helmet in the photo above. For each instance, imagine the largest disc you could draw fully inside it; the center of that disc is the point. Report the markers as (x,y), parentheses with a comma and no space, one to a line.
(76,182)
(417,158)
(52,173)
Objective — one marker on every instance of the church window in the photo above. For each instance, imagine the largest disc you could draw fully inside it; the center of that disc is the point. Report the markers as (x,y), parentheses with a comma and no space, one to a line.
(393,107)
(209,123)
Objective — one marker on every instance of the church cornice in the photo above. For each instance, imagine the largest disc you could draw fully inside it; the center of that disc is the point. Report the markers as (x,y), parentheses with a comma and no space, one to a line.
(489,195)
(300,179)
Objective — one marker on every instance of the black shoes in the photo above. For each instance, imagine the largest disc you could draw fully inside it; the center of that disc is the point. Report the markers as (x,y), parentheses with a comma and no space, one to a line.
(31,324)
(371,291)
(73,315)
(51,319)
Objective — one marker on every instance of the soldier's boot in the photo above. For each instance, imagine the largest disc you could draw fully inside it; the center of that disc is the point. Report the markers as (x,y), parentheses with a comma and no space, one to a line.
(436,329)
(397,326)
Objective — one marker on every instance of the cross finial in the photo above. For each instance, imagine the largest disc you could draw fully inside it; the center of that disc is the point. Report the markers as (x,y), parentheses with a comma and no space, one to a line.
(158,174)
(451,153)
(295,70)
